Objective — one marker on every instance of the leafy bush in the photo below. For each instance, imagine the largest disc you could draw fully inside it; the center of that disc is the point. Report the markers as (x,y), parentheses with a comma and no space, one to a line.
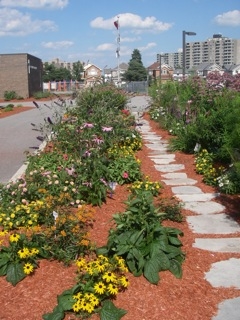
(10,95)
(42,94)
(146,246)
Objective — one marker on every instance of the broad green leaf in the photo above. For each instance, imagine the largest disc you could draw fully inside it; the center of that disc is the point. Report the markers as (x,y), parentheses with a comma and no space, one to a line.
(151,271)
(15,273)
(66,300)
(4,259)
(110,312)
(176,268)
(3,270)
(175,241)
(163,261)
(121,249)
(57,314)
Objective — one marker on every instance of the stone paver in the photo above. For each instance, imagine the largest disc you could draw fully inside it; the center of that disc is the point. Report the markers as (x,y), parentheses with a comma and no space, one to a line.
(228,310)
(213,224)
(186,190)
(169,167)
(218,244)
(207,207)
(180,182)
(224,274)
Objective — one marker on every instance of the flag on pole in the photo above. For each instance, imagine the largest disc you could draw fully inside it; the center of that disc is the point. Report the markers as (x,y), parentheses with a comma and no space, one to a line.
(116,24)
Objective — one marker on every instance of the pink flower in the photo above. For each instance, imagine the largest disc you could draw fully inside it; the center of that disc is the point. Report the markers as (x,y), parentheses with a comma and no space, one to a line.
(46,173)
(65,156)
(97,140)
(107,129)
(70,171)
(88,125)
(125,175)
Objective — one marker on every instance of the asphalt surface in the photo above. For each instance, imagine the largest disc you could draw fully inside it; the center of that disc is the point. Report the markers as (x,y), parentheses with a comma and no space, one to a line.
(18,136)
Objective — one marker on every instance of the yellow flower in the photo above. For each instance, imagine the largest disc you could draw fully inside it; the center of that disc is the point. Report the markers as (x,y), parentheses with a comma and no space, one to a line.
(112,289)
(81,262)
(23,253)
(109,277)
(14,237)
(100,287)
(33,251)
(76,307)
(28,268)
(124,281)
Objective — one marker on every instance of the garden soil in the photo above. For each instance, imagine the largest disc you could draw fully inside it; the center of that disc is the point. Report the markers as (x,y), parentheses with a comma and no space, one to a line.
(189,298)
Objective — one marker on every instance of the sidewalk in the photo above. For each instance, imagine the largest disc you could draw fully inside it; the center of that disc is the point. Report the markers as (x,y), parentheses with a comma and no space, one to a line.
(208,217)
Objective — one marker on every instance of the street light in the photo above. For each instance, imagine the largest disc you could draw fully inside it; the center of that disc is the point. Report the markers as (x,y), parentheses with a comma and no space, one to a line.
(184,33)
(160,67)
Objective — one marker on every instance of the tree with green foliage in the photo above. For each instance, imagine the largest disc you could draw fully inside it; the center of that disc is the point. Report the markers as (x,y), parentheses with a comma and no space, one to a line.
(77,71)
(136,71)
(53,73)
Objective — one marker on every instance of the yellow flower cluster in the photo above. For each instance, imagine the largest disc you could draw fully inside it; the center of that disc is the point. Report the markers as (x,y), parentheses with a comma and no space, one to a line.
(108,277)
(146,185)
(25,214)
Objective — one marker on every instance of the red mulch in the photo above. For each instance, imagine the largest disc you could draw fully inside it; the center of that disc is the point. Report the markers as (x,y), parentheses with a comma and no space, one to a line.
(189,298)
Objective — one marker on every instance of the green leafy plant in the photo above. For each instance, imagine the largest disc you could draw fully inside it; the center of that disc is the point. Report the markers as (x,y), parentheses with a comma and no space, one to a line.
(98,280)
(143,242)
(10,95)
(19,258)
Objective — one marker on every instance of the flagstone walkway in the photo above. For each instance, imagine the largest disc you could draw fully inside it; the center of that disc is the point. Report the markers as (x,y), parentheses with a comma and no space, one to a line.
(208,216)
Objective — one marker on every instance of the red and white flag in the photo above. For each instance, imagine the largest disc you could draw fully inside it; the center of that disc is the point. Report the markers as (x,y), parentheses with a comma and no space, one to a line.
(116,24)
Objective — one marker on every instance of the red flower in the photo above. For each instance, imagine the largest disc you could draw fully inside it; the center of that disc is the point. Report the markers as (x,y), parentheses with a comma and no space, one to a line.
(125,175)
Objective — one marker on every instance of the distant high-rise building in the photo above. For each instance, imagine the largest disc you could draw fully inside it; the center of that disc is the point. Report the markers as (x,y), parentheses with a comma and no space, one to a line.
(218,49)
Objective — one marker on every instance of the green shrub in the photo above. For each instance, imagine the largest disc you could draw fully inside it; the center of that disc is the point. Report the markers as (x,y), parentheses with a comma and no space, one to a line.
(41,95)
(10,95)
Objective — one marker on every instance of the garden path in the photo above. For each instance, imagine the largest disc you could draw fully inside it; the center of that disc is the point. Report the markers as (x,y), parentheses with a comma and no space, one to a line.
(208,218)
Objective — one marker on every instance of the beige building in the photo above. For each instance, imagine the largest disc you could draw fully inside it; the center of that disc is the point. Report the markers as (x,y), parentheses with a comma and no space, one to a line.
(218,49)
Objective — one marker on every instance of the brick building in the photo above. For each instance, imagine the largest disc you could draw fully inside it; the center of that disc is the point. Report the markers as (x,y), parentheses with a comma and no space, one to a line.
(21,73)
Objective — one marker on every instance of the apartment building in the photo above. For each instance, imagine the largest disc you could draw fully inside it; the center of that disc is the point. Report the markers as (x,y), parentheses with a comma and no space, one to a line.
(218,49)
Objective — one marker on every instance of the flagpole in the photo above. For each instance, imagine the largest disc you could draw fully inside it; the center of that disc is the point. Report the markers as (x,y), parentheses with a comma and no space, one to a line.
(116,23)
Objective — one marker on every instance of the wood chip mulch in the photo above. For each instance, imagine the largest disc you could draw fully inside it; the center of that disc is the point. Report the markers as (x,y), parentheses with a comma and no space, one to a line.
(189,298)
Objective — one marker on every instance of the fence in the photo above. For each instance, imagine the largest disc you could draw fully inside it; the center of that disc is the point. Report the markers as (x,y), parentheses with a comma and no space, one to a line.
(62,85)
(136,86)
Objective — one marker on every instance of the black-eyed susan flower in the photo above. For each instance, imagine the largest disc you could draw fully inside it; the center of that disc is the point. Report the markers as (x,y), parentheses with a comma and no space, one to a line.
(28,268)
(109,277)
(112,289)
(124,281)
(23,253)
(100,287)
(14,237)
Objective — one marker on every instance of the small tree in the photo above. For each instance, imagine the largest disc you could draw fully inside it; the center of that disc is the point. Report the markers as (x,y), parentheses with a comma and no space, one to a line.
(77,70)
(136,71)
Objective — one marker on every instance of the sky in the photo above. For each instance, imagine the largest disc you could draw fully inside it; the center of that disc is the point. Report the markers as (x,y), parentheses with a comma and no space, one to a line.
(84,30)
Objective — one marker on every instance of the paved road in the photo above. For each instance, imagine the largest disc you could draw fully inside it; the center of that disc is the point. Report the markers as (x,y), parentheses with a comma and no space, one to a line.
(17,136)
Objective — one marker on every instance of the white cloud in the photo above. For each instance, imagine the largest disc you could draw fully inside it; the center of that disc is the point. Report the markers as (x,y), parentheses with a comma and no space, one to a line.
(57,44)
(134,22)
(52,4)
(106,47)
(148,46)
(15,23)
(230,18)
(127,39)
